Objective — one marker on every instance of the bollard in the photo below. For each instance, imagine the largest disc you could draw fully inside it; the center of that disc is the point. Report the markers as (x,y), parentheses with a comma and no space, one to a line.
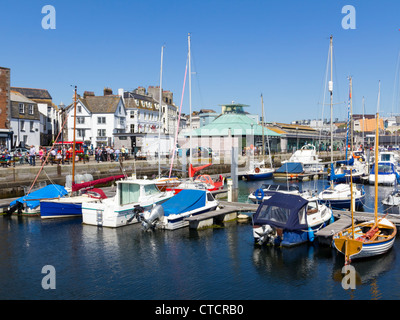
(230,189)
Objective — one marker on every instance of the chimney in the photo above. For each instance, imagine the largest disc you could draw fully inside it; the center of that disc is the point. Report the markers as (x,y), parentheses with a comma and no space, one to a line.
(88,94)
(107,92)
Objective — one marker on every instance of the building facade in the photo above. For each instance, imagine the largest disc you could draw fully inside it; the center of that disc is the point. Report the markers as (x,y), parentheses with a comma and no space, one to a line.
(5,130)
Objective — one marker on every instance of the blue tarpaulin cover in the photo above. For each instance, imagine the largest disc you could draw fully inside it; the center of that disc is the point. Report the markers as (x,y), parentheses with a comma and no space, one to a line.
(291,167)
(184,201)
(50,191)
(282,211)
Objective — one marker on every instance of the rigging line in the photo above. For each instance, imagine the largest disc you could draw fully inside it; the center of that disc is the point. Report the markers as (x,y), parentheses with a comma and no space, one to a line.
(179,118)
(324,95)
(396,81)
(197,77)
(48,154)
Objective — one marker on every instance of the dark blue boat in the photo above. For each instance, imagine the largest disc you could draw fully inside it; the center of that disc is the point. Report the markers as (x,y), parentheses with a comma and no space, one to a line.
(288,220)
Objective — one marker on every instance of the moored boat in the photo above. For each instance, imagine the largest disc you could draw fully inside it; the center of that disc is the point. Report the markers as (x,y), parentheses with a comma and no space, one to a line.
(119,210)
(289,220)
(171,214)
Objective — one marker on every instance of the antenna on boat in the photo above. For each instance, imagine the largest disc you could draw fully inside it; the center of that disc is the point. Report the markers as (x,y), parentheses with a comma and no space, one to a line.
(73,142)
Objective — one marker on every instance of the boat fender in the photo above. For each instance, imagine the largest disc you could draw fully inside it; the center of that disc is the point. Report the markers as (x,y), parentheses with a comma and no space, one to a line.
(310,234)
(259,194)
(332,220)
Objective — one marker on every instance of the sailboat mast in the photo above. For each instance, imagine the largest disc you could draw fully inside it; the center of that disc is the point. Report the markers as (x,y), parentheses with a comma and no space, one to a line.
(363,106)
(262,120)
(376,155)
(73,144)
(159,115)
(331,92)
(351,116)
(190,100)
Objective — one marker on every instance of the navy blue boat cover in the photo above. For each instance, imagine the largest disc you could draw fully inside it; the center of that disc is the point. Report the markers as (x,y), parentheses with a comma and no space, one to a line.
(184,201)
(32,200)
(282,211)
(291,167)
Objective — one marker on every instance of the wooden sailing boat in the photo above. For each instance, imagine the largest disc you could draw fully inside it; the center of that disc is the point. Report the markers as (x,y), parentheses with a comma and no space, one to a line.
(369,238)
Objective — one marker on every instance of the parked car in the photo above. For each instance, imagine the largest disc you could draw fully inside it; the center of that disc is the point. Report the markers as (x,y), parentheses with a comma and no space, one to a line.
(19,150)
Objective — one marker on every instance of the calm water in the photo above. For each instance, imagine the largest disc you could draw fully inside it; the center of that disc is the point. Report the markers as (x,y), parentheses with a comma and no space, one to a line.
(220,263)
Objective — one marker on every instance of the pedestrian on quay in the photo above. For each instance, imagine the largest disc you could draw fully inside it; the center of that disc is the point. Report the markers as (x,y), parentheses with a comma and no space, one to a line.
(117,152)
(32,156)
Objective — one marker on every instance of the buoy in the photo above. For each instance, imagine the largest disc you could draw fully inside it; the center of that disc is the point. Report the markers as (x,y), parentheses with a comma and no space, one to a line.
(259,194)
(310,234)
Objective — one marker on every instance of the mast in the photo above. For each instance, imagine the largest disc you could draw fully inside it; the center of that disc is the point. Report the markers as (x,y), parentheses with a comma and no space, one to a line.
(376,155)
(190,101)
(363,106)
(262,120)
(331,91)
(351,116)
(159,115)
(73,144)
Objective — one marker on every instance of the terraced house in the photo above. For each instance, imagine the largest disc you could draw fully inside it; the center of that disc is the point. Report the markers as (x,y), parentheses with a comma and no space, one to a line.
(98,118)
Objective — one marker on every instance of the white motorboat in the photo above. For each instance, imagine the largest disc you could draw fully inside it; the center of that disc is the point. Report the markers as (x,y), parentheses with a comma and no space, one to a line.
(266,191)
(387,173)
(339,196)
(119,210)
(172,213)
(308,157)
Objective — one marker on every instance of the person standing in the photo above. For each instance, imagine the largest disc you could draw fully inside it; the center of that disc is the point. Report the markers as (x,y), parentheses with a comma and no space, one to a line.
(32,156)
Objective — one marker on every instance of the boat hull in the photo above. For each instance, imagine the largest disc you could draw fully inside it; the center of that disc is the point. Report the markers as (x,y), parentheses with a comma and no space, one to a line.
(259,176)
(60,210)
(339,204)
(180,222)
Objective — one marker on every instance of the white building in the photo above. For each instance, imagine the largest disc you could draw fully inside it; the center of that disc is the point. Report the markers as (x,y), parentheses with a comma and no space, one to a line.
(24,120)
(98,118)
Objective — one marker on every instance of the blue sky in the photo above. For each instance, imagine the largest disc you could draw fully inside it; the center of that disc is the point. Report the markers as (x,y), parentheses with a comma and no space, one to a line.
(240,50)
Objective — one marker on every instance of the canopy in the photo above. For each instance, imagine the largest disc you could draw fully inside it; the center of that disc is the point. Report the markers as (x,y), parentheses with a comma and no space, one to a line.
(283,211)
(32,200)
(79,186)
(184,201)
(333,176)
(291,167)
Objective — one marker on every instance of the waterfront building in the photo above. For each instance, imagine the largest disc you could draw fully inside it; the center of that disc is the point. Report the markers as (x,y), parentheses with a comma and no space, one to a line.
(24,120)
(98,118)
(234,122)
(6,134)
(48,112)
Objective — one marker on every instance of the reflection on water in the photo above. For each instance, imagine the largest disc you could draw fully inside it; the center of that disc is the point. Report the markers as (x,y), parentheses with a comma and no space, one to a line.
(221,263)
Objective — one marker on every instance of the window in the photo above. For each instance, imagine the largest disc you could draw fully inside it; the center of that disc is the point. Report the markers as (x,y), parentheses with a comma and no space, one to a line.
(132,128)
(21,108)
(122,121)
(101,120)
(30,109)
(80,120)
(128,193)
(79,107)
(31,125)
(132,114)
(80,133)
(22,125)
(101,132)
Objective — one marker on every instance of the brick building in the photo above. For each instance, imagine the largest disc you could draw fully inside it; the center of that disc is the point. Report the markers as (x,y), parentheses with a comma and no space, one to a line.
(5,131)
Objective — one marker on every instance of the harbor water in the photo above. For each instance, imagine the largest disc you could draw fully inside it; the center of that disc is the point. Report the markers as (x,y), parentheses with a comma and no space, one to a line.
(212,264)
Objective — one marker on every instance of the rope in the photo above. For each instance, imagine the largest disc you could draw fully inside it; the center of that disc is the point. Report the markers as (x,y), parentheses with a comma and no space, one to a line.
(47,156)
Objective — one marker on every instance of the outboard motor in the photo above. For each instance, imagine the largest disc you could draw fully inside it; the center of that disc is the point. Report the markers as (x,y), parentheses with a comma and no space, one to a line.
(263,234)
(151,218)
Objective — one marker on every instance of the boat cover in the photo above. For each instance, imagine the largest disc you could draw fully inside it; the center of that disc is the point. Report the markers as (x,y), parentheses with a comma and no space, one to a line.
(333,176)
(186,200)
(345,162)
(79,186)
(32,200)
(283,211)
(291,167)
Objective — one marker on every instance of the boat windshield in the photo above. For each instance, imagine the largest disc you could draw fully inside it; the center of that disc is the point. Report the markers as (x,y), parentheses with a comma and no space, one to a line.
(151,189)
(275,214)
(128,193)
(384,168)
